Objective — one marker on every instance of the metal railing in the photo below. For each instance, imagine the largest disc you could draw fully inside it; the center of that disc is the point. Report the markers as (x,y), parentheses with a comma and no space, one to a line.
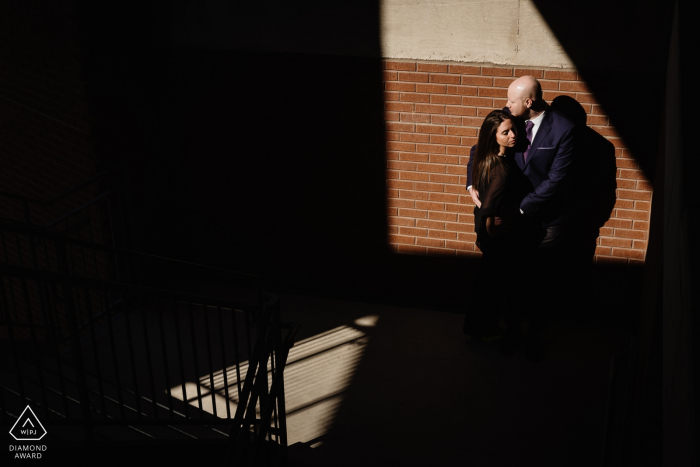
(87,346)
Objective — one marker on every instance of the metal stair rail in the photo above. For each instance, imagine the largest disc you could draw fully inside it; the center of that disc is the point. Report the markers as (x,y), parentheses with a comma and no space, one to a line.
(89,352)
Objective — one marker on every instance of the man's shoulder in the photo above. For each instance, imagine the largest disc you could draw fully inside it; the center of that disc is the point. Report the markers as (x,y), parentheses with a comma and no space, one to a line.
(558,119)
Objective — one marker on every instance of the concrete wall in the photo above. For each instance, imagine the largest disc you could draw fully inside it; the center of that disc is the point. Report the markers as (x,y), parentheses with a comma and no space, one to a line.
(503,32)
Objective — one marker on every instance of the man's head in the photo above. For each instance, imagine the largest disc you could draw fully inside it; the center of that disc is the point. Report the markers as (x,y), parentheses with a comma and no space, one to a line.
(524,97)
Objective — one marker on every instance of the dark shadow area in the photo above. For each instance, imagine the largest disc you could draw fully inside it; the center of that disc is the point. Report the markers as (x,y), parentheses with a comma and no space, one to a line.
(624,69)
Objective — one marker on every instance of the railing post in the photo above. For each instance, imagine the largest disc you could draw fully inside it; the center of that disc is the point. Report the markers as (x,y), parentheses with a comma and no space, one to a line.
(69,309)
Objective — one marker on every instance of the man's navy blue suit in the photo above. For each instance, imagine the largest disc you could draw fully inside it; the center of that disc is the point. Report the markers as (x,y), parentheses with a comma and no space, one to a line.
(546,167)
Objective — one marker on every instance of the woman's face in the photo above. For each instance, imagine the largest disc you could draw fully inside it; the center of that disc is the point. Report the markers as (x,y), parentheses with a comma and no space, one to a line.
(505,135)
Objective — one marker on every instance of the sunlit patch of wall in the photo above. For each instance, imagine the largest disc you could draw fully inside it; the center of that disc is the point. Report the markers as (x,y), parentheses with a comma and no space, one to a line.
(319,370)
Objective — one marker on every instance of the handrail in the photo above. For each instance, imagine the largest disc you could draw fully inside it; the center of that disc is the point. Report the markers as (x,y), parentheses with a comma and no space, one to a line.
(58,196)
(32,230)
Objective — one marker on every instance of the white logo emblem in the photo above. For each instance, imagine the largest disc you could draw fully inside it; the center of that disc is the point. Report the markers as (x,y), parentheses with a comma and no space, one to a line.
(28,427)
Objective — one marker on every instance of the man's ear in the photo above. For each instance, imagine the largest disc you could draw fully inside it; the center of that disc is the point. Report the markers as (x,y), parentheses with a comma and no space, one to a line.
(528,103)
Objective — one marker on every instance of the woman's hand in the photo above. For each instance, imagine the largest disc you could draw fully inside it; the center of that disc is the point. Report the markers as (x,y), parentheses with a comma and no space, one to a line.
(475,196)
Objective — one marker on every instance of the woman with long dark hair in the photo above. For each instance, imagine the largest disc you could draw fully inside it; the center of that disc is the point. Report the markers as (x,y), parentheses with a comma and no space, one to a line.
(497,223)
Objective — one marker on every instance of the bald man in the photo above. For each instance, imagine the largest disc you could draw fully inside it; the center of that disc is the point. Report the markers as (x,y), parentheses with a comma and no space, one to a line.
(543,152)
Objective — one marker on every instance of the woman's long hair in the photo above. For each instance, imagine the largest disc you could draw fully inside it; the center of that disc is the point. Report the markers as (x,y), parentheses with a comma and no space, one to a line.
(487,148)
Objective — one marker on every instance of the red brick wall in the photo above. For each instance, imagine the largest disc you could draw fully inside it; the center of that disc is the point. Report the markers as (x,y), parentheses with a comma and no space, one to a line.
(45,140)
(433,112)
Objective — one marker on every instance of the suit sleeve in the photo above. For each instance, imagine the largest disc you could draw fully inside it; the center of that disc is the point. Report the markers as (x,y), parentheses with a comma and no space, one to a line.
(549,187)
(469,166)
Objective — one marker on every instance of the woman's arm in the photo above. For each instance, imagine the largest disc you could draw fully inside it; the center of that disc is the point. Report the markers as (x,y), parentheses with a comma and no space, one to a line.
(495,226)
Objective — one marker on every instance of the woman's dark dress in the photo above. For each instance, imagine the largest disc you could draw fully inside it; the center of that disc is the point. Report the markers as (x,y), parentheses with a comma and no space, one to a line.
(502,264)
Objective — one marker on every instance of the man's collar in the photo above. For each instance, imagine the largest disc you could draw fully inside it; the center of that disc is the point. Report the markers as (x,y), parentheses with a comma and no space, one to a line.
(537,120)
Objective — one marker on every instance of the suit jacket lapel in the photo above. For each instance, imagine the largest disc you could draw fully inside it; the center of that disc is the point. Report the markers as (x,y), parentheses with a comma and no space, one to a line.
(544,128)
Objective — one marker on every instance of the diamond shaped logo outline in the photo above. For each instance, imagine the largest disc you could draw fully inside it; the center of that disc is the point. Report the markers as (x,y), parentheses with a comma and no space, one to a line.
(36,419)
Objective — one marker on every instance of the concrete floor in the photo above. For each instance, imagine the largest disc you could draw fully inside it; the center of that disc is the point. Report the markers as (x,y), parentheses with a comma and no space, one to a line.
(380,385)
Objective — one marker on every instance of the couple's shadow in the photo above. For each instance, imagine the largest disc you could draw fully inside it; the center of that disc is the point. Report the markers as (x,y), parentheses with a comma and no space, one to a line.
(592,197)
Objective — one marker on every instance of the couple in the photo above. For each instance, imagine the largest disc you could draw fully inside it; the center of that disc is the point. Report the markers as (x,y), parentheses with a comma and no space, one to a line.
(517,176)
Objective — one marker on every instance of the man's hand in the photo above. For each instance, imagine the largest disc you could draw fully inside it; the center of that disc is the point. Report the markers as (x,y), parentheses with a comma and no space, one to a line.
(475,197)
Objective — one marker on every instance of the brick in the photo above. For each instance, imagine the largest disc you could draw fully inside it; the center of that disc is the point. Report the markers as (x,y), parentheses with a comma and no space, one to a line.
(392,193)
(481,113)
(434,187)
(402,185)
(492,92)
(449,100)
(477,81)
(597,110)
(626,183)
(619,242)
(631,174)
(466,237)
(458,208)
(400,203)
(565,75)
(466,199)
(462,90)
(458,150)
(391,136)
(432,67)
(423,177)
(518,72)
(445,79)
(619,223)
(412,249)
(477,101)
(401,165)
(400,239)
(465,70)
(624,204)
(644,185)
(635,234)
(415,138)
(391,96)
(392,116)
(456,227)
(466,218)
(390,76)
(451,179)
(442,234)
(432,129)
(413,231)
(642,205)
(443,159)
(409,156)
(398,106)
(412,97)
(403,66)
(639,245)
(605,251)
(458,130)
(445,120)
(413,213)
(433,242)
(459,245)
(635,195)
(577,86)
(626,163)
(432,148)
(431,88)
(434,168)
(640,225)
(392,174)
(617,142)
(441,139)
(430,205)
(414,195)
(399,86)
(494,71)
(392,229)
(637,215)
(606,231)
(392,211)
(408,222)
(430,108)
(443,197)
(405,127)
(414,77)
(417,118)
(443,216)
(624,253)
(459,110)
(597,120)
(469,141)
(584,97)
(406,147)
(431,224)
(500,104)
